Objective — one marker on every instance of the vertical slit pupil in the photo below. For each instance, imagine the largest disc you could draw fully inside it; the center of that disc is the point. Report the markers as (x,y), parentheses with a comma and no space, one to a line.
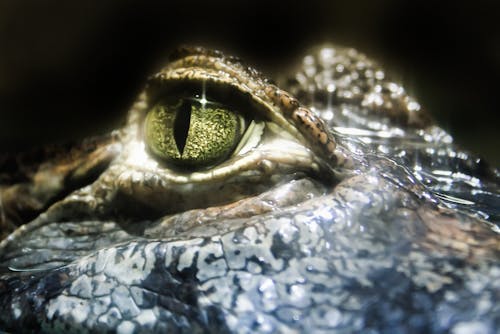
(181,125)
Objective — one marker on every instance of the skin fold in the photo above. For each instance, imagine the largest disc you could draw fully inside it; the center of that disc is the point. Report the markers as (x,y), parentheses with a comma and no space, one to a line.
(338,207)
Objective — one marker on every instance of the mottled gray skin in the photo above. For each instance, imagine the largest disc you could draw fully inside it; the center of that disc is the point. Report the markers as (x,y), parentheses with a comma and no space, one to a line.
(396,231)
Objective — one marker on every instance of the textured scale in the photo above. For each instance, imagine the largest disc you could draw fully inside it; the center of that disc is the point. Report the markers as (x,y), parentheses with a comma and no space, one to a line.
(350,211)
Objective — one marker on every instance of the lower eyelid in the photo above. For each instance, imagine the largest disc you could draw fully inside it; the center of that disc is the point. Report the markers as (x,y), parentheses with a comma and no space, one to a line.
(290,152)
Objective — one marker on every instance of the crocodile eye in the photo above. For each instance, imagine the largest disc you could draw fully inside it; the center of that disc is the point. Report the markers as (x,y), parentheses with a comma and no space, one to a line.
(192,132)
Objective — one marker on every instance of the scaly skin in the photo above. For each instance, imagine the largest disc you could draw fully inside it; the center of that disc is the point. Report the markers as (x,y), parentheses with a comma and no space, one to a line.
(348,210)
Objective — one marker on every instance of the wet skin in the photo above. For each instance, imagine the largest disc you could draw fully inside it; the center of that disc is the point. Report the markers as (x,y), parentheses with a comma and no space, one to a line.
(329,202)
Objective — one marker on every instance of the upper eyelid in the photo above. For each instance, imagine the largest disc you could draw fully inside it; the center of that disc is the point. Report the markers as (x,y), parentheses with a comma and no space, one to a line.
(252,86)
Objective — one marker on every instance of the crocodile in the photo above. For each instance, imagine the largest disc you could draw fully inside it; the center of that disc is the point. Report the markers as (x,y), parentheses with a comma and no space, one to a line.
(326,201)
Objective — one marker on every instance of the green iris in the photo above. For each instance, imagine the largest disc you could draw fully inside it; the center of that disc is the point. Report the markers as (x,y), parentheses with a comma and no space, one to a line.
(192,133)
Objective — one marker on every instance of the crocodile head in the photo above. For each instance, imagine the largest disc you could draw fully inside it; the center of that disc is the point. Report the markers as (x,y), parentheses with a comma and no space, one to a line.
(226,204)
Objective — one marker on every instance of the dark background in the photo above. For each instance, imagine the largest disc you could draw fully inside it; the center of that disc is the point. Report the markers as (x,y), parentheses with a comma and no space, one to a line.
(70,69)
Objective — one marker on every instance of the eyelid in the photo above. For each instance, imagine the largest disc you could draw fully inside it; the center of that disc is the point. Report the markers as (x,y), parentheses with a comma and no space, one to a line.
(141,166)
(232,76)
(250,138)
